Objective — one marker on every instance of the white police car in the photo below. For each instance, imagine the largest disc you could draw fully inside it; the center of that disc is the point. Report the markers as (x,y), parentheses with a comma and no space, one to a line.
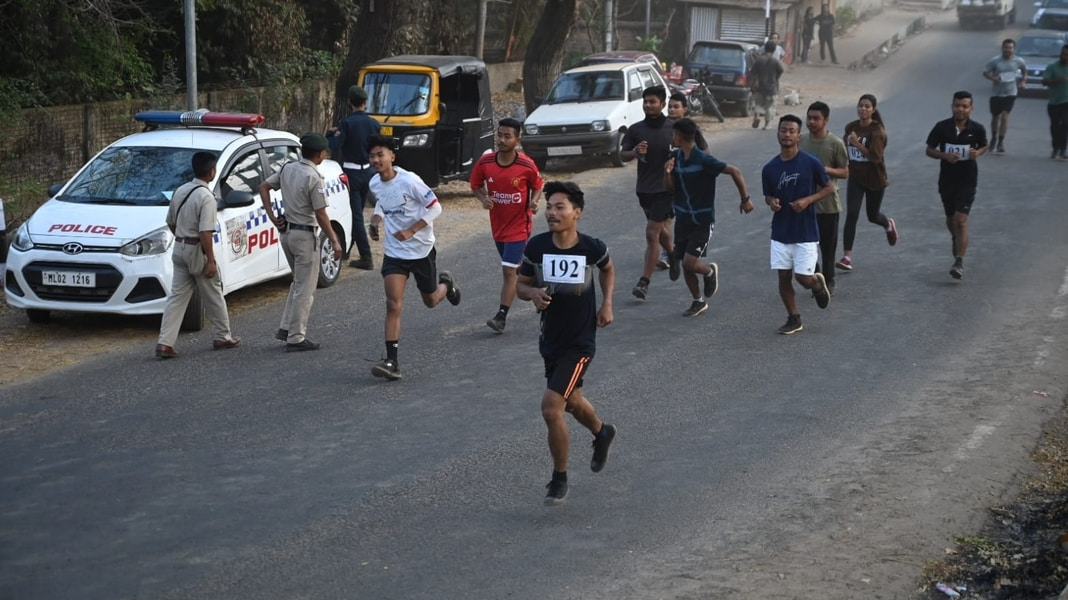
(101,243)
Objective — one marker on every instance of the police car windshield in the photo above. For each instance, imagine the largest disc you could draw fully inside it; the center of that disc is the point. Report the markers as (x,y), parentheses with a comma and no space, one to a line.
(403,94)
(142,176)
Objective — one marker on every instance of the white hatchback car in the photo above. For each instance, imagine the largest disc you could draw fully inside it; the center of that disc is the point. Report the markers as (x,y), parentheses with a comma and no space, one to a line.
(101,243)
(587,111)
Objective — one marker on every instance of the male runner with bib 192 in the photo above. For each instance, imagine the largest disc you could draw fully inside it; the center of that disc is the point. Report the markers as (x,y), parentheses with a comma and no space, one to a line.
(557,276)
(508,184)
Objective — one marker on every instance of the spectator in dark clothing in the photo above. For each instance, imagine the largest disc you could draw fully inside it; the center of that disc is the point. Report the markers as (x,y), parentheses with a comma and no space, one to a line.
(826,23)
(808,29)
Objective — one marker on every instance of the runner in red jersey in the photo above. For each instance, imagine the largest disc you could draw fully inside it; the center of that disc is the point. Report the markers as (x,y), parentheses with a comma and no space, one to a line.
(508,184)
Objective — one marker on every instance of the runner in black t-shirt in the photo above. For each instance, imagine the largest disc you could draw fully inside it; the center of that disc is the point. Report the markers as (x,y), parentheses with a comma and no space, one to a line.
(957,143)
(557,275)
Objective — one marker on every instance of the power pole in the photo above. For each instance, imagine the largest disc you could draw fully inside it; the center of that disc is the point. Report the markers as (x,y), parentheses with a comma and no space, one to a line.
(191,55)
(609,24)
(480,33)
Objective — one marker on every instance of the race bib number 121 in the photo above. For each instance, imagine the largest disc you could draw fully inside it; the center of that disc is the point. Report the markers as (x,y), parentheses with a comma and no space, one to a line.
(563,268)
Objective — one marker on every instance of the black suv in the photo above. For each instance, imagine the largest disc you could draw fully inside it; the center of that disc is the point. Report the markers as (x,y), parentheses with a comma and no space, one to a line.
(724,67)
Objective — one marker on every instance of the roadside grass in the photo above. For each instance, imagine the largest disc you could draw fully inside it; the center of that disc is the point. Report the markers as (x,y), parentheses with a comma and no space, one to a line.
(1022,551)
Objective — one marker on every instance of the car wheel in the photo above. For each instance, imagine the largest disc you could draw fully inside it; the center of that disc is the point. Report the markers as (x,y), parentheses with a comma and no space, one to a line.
(193,320)
(329,267)
(617,154)
(36,315)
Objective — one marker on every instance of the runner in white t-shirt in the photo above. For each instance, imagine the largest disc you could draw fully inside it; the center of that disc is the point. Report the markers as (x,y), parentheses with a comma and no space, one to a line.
(407,207)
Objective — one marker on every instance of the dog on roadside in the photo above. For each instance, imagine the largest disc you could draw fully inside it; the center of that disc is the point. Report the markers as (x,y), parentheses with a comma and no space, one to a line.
(792,98)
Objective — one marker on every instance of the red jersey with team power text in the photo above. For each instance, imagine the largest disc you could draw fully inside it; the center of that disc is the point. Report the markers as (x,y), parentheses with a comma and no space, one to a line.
(510,189)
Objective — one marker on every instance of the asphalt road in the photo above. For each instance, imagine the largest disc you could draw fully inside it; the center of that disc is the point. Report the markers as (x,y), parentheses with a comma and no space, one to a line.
(826,464)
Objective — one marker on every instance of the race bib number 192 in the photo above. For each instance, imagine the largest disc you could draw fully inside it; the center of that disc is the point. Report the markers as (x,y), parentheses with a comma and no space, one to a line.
(563,268)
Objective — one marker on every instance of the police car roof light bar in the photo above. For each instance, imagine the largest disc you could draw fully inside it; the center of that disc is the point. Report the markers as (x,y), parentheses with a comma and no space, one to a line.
(153,119)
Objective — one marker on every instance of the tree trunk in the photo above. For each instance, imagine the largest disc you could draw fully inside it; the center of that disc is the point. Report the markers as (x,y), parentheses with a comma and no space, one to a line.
(372,38)
(545,52)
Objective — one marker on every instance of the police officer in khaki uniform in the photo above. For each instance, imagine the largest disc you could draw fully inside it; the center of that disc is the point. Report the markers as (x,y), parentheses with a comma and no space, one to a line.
(304,195)
(191,218)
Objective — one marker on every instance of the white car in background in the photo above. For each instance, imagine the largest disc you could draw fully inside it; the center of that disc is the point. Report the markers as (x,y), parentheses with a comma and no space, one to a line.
(101,243)
(588,110)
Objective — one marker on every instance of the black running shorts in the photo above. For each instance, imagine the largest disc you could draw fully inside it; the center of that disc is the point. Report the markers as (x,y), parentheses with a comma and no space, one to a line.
(564,375)
(425,270)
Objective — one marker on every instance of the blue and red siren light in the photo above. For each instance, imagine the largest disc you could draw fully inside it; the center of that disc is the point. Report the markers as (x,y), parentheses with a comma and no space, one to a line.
(199,117)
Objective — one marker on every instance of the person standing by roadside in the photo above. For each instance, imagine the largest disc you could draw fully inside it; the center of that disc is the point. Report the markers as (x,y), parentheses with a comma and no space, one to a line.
(780,52)
(691,175)
(1055,78)
(557,276)
(508,184)
(650,142)
(1002,71)
(865,142)
(408,208)
(764,79)
(304,198)
(793,182)
(957,142)
(191,218)
(826,22)
(808,30)
(350,137)
(831,151)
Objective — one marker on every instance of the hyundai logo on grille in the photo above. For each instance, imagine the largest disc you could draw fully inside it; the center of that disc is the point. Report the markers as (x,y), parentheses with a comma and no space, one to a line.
(73,248)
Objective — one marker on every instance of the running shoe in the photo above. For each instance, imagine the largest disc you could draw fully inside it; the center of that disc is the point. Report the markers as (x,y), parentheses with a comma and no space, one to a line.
(387,368)
(557,493)
(1001,148)
(1063,155)
(497,323)
(281,335)
(674,268)
(793,325)
(695,309)
(641,291)
(846,264)
(822,295)
(756,122)
(891,232)
(662,262)
(601,443)
(1053,154)
(957,270)
(452,293)
(712,280)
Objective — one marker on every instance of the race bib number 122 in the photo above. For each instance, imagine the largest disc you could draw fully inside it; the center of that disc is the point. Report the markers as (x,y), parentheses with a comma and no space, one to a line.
(563,268)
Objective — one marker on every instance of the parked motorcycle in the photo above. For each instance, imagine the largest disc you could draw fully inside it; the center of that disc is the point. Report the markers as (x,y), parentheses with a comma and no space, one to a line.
(699,100)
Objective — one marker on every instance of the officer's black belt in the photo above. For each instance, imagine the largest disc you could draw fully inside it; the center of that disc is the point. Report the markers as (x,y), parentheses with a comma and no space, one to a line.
(301,227)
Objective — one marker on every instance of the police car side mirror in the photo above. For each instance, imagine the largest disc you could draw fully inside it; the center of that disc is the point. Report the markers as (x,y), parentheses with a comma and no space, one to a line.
(238,199)
(54,189)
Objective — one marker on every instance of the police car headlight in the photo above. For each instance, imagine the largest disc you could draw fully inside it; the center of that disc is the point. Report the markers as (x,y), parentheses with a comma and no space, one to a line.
(530,129)
(415,141)
(156,242)
(601,125)
(22,241)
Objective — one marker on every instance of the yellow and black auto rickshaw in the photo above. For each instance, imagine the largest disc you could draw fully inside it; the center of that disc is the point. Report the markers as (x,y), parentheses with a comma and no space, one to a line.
(437,108)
